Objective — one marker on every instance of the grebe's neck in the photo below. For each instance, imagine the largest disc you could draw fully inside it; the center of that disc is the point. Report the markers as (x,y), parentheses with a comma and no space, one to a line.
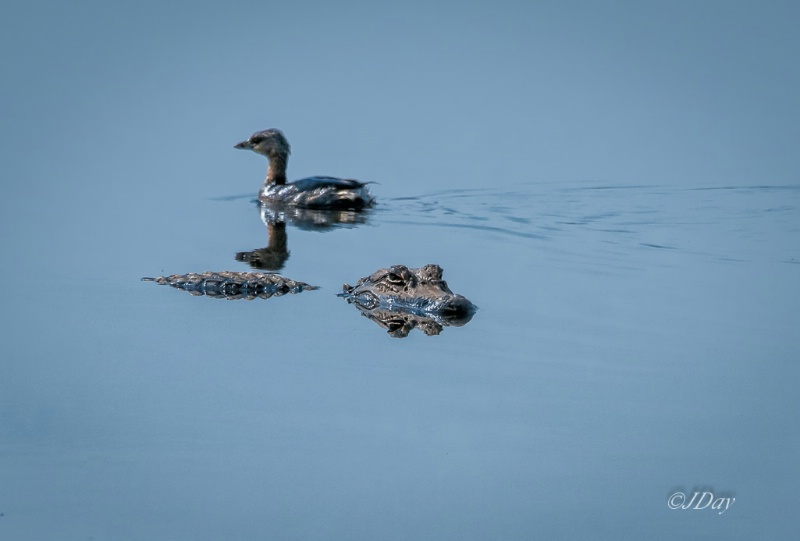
(277,236)
(277,169)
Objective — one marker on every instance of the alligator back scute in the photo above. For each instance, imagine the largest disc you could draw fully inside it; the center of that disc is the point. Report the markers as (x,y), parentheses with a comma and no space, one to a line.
(233,285)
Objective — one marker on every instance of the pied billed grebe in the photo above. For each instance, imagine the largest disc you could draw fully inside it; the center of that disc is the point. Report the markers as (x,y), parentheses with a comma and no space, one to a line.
(311,192)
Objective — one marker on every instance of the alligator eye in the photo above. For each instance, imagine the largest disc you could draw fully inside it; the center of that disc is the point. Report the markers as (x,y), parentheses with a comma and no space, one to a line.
(394,278)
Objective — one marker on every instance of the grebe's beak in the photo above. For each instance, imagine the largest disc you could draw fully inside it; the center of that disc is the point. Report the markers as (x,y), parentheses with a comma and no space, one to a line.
(244,145)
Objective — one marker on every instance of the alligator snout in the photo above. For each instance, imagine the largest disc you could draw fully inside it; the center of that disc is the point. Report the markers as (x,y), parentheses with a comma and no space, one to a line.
(458,307)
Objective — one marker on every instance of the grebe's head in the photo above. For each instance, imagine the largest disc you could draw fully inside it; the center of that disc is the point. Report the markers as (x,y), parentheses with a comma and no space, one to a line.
(270,143)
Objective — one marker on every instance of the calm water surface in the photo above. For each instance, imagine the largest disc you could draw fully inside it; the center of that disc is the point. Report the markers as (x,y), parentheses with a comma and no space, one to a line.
(632,341)
(615,185)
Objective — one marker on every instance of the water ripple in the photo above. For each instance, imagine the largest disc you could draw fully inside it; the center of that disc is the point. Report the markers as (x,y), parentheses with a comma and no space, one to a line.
(728,223)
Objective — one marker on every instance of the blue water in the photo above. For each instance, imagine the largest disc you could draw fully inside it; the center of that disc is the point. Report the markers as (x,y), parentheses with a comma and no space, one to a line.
(626,218)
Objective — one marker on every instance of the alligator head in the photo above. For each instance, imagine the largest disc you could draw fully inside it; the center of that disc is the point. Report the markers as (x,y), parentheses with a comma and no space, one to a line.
(400,299)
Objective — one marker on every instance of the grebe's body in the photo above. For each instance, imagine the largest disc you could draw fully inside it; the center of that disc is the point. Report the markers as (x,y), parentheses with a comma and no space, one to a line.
(312,192)
(319,193)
